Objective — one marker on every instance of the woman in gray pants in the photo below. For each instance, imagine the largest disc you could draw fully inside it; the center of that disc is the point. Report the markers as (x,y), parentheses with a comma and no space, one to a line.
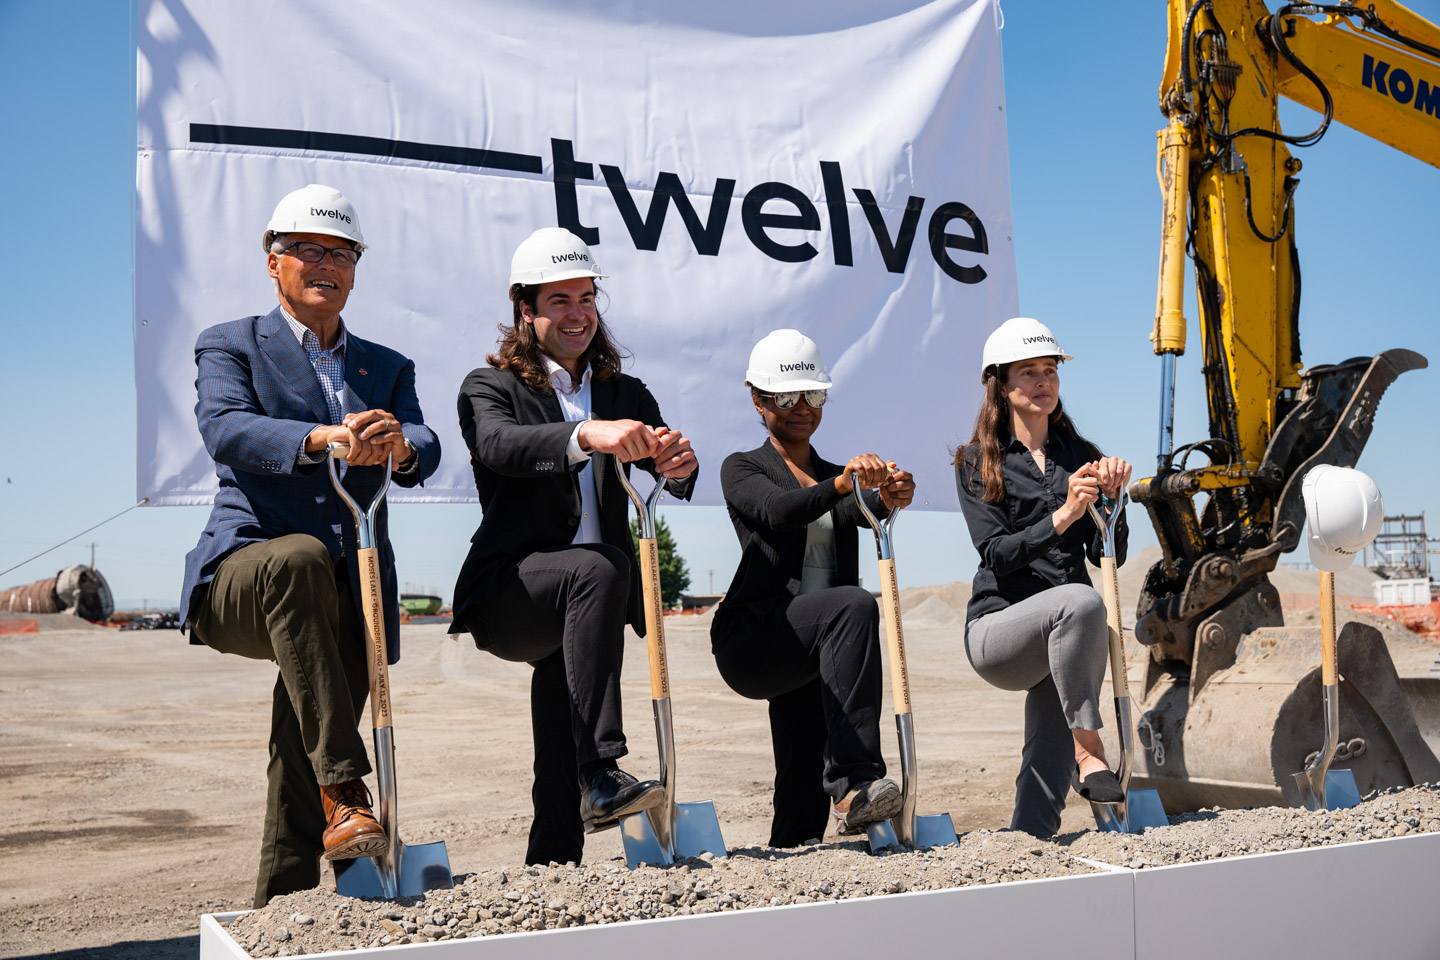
(1034,622)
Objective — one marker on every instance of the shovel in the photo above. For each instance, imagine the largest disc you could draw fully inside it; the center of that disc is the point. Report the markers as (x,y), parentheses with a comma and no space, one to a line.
(931,830)
(1140,808)
(404,871)
(1320,787)
(670,831)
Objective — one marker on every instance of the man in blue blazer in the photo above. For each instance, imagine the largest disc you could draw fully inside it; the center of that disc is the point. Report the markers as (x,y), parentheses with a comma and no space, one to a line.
(274,575)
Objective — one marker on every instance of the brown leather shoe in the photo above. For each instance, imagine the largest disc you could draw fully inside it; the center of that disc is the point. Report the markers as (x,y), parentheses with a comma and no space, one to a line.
(351,829)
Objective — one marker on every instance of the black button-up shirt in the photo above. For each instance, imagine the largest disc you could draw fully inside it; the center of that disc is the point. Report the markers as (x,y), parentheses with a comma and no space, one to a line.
(1020,552)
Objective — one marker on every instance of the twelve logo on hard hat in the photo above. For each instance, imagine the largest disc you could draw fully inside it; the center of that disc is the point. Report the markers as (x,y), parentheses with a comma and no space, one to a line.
(332,214)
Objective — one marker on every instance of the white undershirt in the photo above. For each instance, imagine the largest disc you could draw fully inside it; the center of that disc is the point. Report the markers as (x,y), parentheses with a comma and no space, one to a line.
(576,407)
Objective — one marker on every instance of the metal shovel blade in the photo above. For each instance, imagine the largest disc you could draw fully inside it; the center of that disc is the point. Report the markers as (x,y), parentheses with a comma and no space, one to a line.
(697,830)
(637,835)
(422,867)
(1140,810)
(1337,791)
(935,830)
(882,835)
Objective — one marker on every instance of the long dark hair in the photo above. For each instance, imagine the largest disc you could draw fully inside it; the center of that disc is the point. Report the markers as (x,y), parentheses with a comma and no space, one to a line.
(986,449)
(520,353)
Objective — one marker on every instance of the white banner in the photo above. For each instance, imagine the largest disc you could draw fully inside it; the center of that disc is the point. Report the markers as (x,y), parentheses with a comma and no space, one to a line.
(840,168)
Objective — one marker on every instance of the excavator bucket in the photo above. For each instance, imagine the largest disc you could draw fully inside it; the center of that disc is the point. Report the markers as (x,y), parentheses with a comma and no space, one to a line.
(1203,750)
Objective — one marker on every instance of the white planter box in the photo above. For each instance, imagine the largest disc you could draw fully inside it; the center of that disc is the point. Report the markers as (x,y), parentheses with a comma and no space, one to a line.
(1352,901)
(1348,902)
(1028,918)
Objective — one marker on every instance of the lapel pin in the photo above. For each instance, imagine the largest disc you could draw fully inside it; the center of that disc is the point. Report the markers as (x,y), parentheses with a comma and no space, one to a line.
(362,371)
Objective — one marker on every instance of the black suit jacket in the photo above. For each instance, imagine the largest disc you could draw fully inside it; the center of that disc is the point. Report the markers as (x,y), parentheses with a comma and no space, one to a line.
(770,511)
(528,488)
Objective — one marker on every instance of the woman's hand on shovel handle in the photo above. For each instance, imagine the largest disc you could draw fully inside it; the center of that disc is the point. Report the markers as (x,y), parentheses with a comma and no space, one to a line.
(1083,489)
(1114,475)
(866,471)
(676,460)
(898,490)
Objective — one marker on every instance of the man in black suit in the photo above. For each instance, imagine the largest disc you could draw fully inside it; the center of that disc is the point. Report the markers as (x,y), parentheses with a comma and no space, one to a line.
(551,577)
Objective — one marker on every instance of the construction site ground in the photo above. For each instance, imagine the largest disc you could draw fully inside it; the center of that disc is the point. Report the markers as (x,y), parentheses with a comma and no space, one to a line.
(132,776)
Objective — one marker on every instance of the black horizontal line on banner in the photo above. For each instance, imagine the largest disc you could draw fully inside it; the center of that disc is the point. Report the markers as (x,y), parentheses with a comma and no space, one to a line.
(369,146)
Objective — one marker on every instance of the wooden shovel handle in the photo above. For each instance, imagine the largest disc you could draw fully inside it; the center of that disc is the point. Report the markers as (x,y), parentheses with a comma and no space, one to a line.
(1327,629)
(372,606)
(894,637)
(654,620)
(1110,590)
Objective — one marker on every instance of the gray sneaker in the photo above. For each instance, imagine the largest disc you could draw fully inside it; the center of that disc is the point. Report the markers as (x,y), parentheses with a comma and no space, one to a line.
(872,802)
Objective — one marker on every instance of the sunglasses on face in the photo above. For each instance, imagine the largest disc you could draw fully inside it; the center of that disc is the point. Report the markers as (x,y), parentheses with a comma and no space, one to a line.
(788,399)
(344,257)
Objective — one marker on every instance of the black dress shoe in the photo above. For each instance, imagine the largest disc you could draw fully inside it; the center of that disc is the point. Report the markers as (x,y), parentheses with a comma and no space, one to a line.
(612,795)
(1102,786)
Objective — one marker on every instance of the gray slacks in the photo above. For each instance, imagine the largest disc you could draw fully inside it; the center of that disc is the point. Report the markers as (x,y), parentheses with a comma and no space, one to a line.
(1052,645)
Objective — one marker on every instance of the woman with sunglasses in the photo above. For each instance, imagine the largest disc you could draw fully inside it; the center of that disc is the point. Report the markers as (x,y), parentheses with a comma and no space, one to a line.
(795,628)
(1034,623)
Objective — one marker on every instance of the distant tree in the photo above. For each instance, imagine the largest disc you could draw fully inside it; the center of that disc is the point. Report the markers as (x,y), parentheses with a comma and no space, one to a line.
(674,575)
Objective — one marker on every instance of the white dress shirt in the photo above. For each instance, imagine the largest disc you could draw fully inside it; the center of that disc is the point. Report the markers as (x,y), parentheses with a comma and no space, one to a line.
(575,404)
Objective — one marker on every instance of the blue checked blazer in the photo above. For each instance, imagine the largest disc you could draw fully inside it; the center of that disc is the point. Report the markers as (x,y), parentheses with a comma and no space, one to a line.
(258,400)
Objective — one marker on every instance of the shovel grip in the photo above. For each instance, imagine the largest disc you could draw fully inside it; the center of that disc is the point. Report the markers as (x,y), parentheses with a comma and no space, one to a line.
(654,620)
(894,637)
(1110,590)
(370,603)
(1327,629)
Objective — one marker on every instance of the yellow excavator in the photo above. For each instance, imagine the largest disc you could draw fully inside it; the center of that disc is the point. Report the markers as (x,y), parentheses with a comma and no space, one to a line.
(1231,697)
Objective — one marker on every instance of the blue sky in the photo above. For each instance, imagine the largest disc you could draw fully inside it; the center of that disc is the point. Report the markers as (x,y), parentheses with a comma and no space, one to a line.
(1081,93)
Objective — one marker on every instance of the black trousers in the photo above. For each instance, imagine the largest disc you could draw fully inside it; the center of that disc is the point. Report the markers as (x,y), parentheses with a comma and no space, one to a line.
(1046,762)
(284,600)
(816,659)
(563,612)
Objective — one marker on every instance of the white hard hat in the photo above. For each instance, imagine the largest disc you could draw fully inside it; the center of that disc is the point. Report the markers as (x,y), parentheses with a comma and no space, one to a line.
(787,360)
(550,254)
(315,209)
(1343,511)
(1019,338)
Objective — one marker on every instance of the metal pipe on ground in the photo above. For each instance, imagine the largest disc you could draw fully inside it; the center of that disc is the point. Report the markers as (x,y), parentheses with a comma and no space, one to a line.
(80,590)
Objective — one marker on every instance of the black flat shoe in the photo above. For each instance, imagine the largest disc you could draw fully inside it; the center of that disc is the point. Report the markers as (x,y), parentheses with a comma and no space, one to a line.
(1102,786)
(613,795)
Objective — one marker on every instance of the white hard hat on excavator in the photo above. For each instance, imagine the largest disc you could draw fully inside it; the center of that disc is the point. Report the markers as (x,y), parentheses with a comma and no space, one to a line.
(1343,512)
(551,254)
(315,209)
(1019,338)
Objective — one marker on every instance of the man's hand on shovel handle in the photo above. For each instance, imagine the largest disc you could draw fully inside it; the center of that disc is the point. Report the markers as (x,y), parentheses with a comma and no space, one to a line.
(627,440)
(676,460)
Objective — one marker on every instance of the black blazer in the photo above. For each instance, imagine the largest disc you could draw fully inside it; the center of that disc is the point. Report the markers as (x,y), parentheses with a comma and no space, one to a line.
(529,490)
(770,511)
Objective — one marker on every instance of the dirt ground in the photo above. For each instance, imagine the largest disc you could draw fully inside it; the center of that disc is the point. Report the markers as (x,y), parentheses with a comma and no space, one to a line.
(132,766)
(132,769)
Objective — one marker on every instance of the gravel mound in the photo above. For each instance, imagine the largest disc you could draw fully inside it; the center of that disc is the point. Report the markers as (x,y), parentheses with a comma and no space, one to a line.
(499,901)
(1215,834)
(495,902)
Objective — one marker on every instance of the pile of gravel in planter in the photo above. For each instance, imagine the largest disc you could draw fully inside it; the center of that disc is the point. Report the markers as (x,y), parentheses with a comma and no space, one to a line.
(511,900)
(1214,834)
(516,899)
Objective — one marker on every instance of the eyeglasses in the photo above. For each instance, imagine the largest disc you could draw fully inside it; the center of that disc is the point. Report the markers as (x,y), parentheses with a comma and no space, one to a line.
(788,399)
(344,257)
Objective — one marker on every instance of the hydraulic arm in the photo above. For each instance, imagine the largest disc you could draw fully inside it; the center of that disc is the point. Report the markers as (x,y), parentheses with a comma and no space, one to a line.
(1229,181)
